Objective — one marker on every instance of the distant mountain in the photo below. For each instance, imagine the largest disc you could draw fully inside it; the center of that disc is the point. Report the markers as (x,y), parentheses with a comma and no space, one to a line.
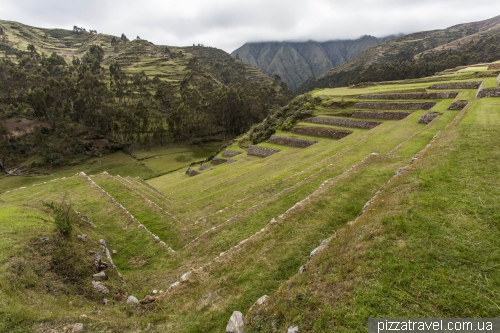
(295,62)
(416,55)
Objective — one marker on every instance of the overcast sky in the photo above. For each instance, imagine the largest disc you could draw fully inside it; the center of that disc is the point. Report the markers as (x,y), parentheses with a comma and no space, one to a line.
(228,24)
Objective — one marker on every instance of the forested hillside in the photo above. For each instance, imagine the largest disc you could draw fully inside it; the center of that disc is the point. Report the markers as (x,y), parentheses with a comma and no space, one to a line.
(124,92)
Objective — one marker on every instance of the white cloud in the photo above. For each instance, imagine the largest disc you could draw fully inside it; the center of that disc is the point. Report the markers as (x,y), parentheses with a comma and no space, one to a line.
(228,24)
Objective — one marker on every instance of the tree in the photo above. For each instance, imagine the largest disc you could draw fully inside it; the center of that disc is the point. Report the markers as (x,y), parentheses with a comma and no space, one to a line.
(124,38)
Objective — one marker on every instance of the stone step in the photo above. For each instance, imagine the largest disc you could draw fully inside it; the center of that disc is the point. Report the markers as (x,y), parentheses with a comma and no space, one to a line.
(290,141)
(395,105)
(421,95)
(343,122)
(261,151)
(321,131)
(457,85)
(380,115)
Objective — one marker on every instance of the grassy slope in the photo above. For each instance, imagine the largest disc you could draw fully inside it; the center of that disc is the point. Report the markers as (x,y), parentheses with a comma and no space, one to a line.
(330,180)
(426,248)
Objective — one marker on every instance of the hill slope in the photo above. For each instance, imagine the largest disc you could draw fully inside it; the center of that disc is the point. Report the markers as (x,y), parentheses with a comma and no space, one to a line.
(295,62)
(204,244)
(128,93)
(416,55)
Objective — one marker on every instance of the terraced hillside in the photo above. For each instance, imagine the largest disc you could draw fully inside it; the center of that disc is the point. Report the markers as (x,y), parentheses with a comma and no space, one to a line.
(328,226)
(137,55)
(416,55)
(94,93)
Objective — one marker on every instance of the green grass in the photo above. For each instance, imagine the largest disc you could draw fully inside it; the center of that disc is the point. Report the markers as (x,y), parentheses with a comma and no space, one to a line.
(432,228)
(429,240)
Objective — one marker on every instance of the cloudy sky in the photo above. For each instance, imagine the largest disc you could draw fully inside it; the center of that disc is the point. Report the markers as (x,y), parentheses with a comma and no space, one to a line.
(228,24)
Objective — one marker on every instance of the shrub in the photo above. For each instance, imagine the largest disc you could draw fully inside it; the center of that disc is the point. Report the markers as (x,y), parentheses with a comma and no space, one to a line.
(63,217)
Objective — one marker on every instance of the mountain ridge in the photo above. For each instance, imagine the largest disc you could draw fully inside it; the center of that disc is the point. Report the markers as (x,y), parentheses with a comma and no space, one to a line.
(295,62)
(411,47)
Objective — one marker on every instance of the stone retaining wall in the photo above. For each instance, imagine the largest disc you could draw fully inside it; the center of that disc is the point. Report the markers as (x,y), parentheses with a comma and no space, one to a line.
(218,160)
(396,106)
(457,85)
(488,92)
(343,122)
(321,131)
(427,118)
(457,105)
(204,166)
(494,66)
(380,115)
(289,141)
(423,95)
(261,151)
(230,153)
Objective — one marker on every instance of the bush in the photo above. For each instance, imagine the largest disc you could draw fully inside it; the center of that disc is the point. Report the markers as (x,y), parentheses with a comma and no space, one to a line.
(63,217)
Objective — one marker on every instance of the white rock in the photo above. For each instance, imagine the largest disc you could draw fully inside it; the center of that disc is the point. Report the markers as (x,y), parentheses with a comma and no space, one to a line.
(155,292)
(132,299)
(99,276)
(294,329)
(236,323)
(78,327)
(185,277)
(174,285)
(100,287)
(316,250)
